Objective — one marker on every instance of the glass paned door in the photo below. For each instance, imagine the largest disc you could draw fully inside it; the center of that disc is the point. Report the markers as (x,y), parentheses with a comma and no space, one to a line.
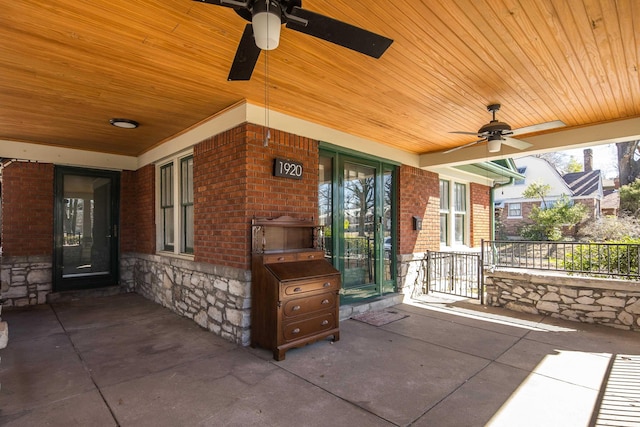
(356,206)
(388,244)
(85,228)
(325,204)
(359,231)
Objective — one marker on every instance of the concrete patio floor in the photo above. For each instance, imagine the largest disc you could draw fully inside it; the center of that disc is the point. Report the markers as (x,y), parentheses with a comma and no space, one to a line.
(124,360)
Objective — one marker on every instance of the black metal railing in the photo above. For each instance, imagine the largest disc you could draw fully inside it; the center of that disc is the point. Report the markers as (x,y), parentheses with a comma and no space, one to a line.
(454,273)
(620,260)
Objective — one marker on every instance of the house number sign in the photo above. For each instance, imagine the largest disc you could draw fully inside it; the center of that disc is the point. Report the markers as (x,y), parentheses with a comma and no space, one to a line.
(287,168)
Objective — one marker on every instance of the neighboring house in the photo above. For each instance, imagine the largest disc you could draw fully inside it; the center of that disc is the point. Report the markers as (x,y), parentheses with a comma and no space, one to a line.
(611,197)
(513,209)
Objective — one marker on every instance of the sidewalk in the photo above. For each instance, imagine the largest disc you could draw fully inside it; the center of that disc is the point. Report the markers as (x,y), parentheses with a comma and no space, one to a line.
(124,360)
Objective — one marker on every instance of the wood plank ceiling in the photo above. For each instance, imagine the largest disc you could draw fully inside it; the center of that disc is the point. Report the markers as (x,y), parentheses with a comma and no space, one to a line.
(68,66)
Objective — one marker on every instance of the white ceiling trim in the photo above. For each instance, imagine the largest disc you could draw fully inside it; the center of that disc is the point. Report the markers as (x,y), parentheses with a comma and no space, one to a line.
(65,156)
(562,139)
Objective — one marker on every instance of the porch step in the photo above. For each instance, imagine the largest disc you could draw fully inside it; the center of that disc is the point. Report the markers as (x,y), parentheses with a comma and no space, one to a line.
(66,296)
(380,303)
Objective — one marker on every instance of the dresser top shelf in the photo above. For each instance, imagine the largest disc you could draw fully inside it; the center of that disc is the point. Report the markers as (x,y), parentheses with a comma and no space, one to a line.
(285,234)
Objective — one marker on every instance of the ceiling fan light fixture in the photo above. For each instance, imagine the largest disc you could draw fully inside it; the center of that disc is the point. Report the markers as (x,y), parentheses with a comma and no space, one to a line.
(266,24)
(493,144)
(124,123)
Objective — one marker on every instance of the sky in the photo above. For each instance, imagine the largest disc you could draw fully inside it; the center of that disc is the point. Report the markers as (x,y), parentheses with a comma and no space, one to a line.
(605,158)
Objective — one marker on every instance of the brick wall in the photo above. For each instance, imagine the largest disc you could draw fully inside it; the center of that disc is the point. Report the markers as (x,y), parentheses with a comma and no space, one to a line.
(128,193)
(512,226)
(137,211)
(480,215)
(419,195)
(27,209)
(234,182)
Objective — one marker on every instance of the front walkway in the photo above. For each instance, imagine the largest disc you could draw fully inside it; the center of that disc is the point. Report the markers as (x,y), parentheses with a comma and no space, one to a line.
(123,360)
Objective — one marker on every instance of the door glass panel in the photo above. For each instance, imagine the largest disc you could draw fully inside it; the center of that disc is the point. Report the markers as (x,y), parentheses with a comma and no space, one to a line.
(387,242)
(86,242)
(358,256)
(325,205)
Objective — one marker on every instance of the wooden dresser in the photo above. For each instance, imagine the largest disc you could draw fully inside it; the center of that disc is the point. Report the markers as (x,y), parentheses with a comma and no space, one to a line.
(294,290)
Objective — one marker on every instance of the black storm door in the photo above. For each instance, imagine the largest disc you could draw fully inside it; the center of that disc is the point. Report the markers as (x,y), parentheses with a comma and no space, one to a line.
(85,228)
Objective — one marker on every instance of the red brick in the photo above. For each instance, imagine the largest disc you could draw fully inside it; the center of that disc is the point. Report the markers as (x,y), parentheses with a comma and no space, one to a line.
(27,209)
(234,182)
(419,195)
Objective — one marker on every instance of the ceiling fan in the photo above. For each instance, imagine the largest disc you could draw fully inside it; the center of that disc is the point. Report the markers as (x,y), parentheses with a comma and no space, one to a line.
(496,133)
(263,33)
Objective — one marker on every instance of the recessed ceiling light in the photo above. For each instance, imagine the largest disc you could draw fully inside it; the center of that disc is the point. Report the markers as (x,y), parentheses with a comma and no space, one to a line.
(124,123)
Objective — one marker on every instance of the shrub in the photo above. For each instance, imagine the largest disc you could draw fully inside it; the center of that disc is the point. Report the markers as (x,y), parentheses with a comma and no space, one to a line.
(610,228)
(548,223)
(630,198)
(619,257)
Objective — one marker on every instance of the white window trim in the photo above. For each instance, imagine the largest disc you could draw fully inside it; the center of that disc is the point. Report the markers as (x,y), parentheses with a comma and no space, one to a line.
(175,159)
(509,211)
(451,215)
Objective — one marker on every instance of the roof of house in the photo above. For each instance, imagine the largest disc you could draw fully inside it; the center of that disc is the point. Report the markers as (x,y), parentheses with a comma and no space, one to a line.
(611,200)
(584,183)
(500,171)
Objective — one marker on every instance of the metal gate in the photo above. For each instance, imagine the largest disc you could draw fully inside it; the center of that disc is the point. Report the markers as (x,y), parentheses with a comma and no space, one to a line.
(454,273)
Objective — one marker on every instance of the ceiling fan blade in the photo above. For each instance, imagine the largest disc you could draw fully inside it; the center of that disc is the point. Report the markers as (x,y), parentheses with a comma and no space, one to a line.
(516,143)
(246,57)
(227,3)
(464,133)
(339,32)
(539,127)
(464,146)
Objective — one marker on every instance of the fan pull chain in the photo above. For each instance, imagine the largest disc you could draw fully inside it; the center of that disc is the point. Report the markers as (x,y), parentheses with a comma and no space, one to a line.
(267,135)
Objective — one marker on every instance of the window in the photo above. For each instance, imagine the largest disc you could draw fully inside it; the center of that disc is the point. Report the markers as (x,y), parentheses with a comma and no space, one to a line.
(186,202)
(521,171)
(166,206)
(460,207)
(175,225)
(515,210)
(453,218)
(444,212)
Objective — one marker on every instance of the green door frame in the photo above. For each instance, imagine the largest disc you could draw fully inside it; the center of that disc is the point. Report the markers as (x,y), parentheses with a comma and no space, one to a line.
(339,157)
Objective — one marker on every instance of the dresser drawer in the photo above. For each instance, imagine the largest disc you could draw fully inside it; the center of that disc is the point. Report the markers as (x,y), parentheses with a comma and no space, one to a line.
(322,284)
(269,259)
(302,306)
(296,330)
(309,256)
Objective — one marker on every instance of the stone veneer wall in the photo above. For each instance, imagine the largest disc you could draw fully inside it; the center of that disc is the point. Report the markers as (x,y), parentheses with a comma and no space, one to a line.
(411,274)
(218,298)
(614,303)
(25,280)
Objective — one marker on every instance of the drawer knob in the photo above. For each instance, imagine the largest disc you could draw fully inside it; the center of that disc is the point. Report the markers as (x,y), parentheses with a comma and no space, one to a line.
(296,331)
(312,256)
(281,258)
(296,308)
(325,323)
(325,301)
(327,284)
(297,289)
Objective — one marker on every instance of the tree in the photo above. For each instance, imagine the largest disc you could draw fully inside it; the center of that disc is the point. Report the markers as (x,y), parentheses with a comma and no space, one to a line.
(628,161)
(630,198)
(359,195)
(536,190)
(574,165)
(557,159)
(549,220)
